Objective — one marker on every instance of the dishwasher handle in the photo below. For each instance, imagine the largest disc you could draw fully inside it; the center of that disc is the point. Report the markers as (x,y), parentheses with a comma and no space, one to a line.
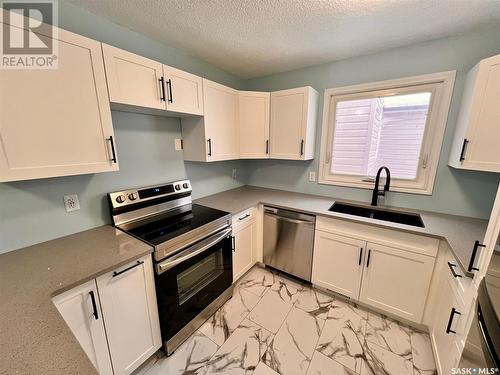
(283,218)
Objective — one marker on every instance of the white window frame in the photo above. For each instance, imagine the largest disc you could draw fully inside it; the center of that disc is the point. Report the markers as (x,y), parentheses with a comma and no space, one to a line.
(433,137)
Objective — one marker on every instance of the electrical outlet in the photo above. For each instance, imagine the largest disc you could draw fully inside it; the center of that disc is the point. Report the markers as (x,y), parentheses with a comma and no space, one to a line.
(234,174)
(178,144)
(71,203)
(312,176)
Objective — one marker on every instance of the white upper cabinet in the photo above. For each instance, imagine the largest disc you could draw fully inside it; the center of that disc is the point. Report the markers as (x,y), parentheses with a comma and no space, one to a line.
(183,91)
(477,135)
(293,123)
(137,81)
(133,79)
(254,124)
(57,122)
(215,136)
(128,301)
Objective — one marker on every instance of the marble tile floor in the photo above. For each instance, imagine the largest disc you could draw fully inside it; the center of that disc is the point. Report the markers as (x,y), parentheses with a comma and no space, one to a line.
(275,325)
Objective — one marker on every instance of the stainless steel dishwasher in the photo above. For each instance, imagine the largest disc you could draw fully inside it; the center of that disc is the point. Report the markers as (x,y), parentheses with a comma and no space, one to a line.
(288,241)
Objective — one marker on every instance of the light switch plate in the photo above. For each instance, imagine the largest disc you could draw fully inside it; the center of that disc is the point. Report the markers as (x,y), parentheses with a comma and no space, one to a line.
(178,144)
(71,203)
(312,176)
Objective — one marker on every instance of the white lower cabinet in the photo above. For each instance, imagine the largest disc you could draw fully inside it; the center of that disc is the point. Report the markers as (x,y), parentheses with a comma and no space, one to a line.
(445,328)
(125,330)
(245,243)
(81,310)
(349,259)
(396,281)
(338,263)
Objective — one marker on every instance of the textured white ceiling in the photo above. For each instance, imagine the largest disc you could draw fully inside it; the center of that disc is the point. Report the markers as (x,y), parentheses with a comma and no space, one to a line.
(252,38)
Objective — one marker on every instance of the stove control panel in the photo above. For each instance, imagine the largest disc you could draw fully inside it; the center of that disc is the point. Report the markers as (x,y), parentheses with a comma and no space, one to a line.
(127,197)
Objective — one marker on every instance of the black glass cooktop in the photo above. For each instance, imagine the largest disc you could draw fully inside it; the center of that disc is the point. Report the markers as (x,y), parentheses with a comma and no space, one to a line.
(163,227)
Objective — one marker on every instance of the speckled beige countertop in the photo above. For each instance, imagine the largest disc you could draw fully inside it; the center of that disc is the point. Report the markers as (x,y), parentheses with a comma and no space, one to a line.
(34,339)
(460,232)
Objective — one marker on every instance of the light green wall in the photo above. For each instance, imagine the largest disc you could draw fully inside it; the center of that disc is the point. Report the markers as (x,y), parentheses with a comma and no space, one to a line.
(33,211)
(456,192)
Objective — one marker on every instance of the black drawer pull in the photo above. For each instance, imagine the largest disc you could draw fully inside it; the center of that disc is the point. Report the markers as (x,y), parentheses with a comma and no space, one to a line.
(452,269)
(94,305)
(471,267)
(244,217)
(139,262)
(360,256)
(267,147)
(450,321)
(464,148)
(171,97)
(368,260)
(110,139)
(301,147)
(209,140)
(162,89)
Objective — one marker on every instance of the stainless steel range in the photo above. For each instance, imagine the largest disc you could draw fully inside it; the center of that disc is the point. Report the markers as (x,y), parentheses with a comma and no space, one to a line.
(193,253)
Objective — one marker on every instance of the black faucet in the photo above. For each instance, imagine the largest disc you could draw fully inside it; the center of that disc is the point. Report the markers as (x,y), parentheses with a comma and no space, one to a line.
(376,192)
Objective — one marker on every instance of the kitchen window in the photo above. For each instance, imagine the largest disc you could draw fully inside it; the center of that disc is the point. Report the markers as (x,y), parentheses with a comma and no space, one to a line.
(398,124)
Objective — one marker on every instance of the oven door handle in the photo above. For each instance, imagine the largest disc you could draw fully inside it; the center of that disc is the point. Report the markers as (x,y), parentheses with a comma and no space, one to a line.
(192,252)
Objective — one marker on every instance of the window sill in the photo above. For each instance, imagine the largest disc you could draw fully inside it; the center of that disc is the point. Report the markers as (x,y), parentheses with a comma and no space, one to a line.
(371,185)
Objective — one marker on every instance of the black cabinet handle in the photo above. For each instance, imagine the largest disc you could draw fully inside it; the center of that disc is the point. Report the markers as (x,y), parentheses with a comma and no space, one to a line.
(452,269)
(209,146)
(368,260)
(464,148)
(244,217)
(171,96)
(450,321)
(162,89)
(139,262)
(477,245)
(94,305)
(267,147)
(233,243)
(110,139)
(301,147)
(360,256)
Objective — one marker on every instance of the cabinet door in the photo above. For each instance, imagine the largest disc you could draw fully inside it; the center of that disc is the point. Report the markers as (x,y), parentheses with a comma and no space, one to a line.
(444,339)
(184,91)
(244,244)
(288,123)
(338,263)
(221,121)
(396,281)
(81,311)
(133,79)
(57,122)
(254,124)
(483,132)
(128,300)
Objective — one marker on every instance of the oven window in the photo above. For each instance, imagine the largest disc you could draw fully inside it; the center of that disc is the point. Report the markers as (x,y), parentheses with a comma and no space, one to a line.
(199,275)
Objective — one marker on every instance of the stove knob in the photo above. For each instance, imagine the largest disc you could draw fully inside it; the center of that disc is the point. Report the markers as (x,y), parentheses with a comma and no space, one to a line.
(177,187)
(132,196)
(120,198)
(185,185)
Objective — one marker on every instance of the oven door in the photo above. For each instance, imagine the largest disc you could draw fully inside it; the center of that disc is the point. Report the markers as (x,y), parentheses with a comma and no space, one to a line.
(189,281)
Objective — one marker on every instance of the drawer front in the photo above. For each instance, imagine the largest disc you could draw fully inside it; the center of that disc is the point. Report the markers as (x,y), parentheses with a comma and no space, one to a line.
(244,216)
(389,237)
(458,281)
